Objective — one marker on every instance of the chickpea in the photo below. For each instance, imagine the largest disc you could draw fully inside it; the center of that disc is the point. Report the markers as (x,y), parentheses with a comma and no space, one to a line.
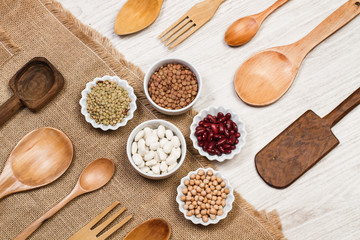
(209,172)
(197,177)
(201,172)
(227,191)
(182,198)
(205,218)
(186,182)
(185,190)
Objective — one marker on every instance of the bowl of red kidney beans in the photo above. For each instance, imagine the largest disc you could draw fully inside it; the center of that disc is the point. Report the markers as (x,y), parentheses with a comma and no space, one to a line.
(218,133)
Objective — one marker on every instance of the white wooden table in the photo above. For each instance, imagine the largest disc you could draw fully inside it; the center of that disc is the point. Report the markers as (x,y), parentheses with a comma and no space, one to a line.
(325,202)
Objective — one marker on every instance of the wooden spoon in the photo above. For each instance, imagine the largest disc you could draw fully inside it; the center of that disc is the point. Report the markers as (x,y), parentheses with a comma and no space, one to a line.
(267,75)
(244,29)
(136,15)
(93,177)
(40,158)
(153,229)
(34,85)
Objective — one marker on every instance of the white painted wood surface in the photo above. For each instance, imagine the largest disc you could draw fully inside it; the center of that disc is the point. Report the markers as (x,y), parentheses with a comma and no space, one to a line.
(325,202)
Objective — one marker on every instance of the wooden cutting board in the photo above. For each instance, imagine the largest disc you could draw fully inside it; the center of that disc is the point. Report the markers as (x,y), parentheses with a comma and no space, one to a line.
(301,145)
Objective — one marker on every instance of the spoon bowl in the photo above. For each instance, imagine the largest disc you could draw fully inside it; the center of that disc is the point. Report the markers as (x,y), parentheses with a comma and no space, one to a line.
(136,15)
(40,158)
(153,229)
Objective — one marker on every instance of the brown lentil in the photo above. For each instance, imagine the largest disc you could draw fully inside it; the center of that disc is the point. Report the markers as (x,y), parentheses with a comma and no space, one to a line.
(173,86)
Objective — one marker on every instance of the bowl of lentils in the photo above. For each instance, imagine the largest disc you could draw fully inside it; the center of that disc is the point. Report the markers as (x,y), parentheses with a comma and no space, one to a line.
(205,196)
(172,86)
(218,133)
(108,102)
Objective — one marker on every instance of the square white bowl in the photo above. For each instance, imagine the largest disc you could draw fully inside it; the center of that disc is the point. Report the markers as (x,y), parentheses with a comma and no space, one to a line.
(120,82)
(229,199)
(214,111)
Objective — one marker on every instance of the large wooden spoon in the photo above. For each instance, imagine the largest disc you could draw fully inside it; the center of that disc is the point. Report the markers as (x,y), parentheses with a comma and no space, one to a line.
(266,76)
(244,29)
(94,176)
(136,15)
(153,229)
(34,85)
(40,158)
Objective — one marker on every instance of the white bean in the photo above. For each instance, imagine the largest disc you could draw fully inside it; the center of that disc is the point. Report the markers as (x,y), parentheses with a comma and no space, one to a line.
(150,155)
(156,157)
(156,169)
(141,147)
(154,146)
(137,159)
(175,141)
(151,138)
(150,172)
(161,153)
(151,163)
(169,134)
(139,135)
(168,147)
(145,169)
(134,148)
(141,165)
(176,152)
(170,160)
(171,167)
(163,166)
(161,131)
(163,141)
(147,131)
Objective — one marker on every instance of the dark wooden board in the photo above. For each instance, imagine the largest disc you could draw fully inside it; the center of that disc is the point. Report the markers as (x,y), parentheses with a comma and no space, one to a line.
(301,145)
(34,85)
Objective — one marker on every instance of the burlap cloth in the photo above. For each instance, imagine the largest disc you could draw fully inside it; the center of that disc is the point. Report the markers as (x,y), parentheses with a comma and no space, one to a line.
(43,28)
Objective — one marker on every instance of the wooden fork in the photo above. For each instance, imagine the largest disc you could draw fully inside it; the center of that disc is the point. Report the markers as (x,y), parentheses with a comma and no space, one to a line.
(190,22)
(88,233)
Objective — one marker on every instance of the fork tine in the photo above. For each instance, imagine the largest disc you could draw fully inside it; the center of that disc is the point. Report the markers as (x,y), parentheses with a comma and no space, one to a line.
(180,33)
(108,221)
(173,25)
(114,228)
(176,29)
(183,37)
(101,215)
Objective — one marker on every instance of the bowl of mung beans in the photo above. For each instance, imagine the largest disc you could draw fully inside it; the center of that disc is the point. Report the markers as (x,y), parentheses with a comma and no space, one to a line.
(108,102)
(205,196)
(172,86)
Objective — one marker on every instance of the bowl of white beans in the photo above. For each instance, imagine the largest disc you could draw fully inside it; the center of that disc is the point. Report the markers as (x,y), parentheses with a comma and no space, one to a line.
(156,149)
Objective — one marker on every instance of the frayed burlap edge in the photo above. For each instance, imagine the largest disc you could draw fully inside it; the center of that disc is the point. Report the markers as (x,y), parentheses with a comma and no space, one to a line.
(103,47)
(8,42)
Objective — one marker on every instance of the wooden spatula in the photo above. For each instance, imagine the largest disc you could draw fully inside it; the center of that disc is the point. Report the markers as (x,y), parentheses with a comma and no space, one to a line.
(301,145)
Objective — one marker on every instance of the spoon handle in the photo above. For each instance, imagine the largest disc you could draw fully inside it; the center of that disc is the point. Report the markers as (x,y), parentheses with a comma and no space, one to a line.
(9,108)
(330,25)
(261,16)
(36,224)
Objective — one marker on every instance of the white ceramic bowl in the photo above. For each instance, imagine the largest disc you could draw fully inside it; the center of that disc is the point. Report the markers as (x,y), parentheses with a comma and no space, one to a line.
(155,67)
(229,200)
(122,83)
(155,124)
(214,111)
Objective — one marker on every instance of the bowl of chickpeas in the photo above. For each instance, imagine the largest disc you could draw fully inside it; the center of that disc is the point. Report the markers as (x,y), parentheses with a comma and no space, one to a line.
(205,196)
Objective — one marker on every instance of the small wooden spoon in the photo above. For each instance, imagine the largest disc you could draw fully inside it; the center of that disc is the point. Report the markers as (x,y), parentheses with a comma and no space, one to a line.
(266,76)
(34,85)
(40,158)
(136,15)
(153,229)
(244,29)
(93,177)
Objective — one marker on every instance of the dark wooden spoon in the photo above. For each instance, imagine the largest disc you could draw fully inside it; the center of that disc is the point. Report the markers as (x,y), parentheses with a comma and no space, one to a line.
(34,85)
(153,229)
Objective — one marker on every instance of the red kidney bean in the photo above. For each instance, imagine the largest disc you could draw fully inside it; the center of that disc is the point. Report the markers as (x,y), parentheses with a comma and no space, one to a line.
(220,115)
(210,136)
(201,123)
(204,136)
(201,144)
(206,125)
(217,136)
(223,119)
(232,132)
(214,128)
(235,127)
(199,138)
(221,141)
(237,135)
(236,141)
(199,127)
(206,120)
(211,118)
(227,151)
(232,147)
(221,148)
(221,128)
(228,115)
(199,132)
(227,146)
(232,140)
(211,145)
(217,151)
(226,132)
(211,151)
(228,125)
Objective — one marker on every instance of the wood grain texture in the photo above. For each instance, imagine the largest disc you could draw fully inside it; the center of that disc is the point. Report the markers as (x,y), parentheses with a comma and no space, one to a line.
(322,204)
(152,229)
(34,85)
